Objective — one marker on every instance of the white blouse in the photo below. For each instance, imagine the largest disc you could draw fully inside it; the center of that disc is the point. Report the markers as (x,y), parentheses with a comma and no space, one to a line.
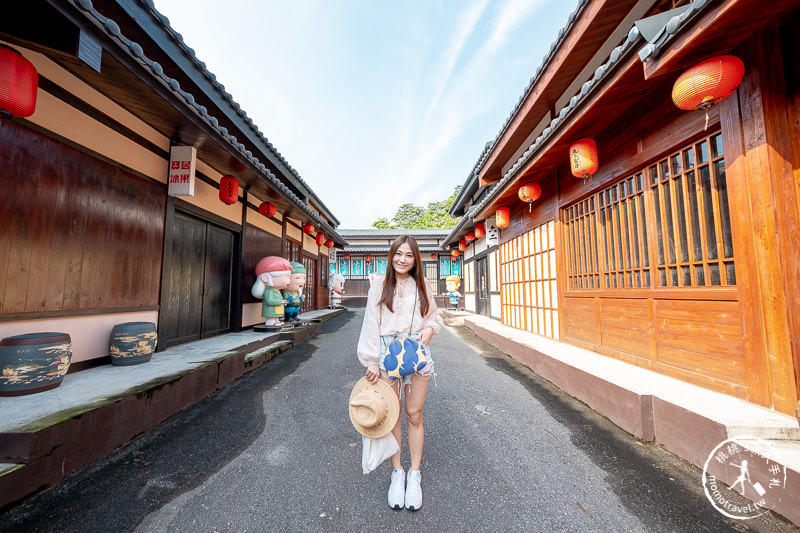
(380,321)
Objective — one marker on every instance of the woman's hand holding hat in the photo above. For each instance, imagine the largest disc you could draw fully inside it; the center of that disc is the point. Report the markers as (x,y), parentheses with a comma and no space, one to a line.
(373,373)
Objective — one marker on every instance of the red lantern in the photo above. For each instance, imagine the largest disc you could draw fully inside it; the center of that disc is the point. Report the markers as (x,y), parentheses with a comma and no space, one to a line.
(329,244)
(320,239)
(462,245)
(433,256)
(470,236)
(347,256)
(369,258)
(228,190)
(480,230)
(530,192)
(308,228)
(583,158)
(707,83)
(18,83)
(454,254)
(502,217)
(267,209)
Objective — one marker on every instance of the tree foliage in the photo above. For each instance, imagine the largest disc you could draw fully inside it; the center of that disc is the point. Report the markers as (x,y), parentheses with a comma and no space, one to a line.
(410,216)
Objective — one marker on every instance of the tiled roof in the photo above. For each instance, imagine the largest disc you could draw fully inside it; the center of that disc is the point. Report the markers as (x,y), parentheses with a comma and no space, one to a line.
(377,249)
(354,233)
(135,50)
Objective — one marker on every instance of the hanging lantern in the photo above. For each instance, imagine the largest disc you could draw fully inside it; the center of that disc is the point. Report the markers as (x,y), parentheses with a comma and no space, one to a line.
(18,83)
(454,254)
(228,190)
(320,239)
(502,217)
(308,228)
(583,158)
(329,244)
(433,256)
(530,192)
(480,230)
(369,258)
(470,236)
(347,256)
(267,209)
(462,245)
(707,83)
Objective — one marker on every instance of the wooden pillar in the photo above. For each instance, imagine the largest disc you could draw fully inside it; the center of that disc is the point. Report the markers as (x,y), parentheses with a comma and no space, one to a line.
(763,206)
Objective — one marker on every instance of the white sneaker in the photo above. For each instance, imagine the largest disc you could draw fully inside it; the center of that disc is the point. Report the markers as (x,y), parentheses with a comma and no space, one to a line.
(397,488)
(414,490)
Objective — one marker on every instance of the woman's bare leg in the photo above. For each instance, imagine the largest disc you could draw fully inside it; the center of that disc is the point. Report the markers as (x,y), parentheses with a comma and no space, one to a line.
(415,401)
(396,431)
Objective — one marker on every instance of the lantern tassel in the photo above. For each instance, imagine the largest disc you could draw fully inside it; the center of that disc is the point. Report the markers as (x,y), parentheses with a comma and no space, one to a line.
(706,126)
(530,206)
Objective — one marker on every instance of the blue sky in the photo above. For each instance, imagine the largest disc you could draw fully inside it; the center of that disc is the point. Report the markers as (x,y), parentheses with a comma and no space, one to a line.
(375,103)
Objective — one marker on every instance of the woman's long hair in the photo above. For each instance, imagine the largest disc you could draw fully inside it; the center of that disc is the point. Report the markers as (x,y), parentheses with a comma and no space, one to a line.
(390,282)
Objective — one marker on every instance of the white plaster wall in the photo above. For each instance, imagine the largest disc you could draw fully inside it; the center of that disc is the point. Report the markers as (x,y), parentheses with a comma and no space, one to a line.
(469,302)
(494,304)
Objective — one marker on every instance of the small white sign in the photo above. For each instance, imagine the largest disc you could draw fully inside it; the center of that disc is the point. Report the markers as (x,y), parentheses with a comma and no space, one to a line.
(182,164)
(492,233)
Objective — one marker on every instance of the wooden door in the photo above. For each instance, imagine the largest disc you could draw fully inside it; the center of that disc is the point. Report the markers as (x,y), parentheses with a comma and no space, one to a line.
(197,302)
(310,290)
(482,297)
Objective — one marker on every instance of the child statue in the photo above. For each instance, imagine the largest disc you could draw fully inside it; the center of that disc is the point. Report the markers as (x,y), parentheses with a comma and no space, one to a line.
(337,289)
(272,274)
(452,284)
(293,294)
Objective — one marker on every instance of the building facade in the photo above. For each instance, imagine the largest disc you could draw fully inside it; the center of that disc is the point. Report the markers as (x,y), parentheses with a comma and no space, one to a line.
(95,229)
(366,255)
(679,254)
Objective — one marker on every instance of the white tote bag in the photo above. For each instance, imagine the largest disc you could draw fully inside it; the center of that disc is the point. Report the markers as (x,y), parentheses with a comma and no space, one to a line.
(376,451)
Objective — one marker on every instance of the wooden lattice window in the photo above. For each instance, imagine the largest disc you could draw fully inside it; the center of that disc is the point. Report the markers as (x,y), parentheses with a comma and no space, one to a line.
(667,225)
(528,280)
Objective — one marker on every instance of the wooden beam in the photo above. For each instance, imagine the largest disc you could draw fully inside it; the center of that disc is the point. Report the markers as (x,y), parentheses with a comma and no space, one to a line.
(763,204)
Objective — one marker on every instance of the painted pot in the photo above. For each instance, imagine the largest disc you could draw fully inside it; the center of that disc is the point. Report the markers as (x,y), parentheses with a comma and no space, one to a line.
(33,362)
(132,343)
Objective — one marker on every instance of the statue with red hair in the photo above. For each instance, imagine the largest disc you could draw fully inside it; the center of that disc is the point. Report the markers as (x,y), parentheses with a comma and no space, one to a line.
(272,274)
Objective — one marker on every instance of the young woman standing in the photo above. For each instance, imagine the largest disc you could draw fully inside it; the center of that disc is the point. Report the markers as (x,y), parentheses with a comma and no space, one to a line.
(397,303)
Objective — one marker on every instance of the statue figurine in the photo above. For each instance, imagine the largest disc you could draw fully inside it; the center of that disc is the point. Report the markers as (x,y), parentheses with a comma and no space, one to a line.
(337,289)
(293,294)
(272,274)
(452,284)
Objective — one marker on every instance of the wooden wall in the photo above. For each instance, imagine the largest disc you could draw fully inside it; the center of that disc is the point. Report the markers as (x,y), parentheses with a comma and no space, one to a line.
(76,234)
(257,245)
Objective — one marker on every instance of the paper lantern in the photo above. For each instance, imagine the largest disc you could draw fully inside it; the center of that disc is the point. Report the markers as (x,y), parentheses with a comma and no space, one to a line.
(228,190)
(18,83)
(454,254)
(267,209)
(329,244)
(502,217)
(583,158)
(433,256)
(470,236)
(347,256)
(462,245)
(308,228)
(707,83)
(369,258)
(480,230)
(530,192)
(320,239)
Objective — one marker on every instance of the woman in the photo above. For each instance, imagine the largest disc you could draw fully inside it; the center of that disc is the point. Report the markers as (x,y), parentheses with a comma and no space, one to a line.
(396,303)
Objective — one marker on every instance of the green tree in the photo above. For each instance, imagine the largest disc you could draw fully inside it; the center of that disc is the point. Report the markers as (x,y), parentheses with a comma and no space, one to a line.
(410,216)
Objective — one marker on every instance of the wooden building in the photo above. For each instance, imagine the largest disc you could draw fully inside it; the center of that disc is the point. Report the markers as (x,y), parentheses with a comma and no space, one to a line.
(366,253)
(91,234)
(680,254)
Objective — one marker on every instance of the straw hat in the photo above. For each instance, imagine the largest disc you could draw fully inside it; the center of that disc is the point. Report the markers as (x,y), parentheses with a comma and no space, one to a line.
(374,409)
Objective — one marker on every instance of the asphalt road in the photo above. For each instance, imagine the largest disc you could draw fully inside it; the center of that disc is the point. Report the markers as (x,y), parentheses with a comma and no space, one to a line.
(275,451)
